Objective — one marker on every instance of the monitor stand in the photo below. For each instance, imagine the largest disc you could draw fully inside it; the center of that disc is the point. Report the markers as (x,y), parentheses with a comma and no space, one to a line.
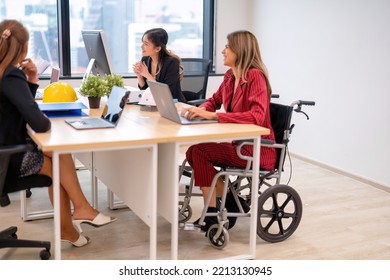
(88,71)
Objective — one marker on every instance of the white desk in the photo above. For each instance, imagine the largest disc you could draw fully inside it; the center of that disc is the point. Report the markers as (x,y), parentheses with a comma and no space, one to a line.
(169,160)
(144,143)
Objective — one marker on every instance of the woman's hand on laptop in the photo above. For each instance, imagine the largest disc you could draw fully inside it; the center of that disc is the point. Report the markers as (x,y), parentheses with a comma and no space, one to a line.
(198,113)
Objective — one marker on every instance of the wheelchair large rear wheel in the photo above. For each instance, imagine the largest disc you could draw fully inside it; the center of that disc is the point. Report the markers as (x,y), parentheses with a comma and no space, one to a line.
(279,213)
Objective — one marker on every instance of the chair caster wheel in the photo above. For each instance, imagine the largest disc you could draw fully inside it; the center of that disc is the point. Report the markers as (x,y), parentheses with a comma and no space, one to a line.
(4,200)
(28,193)
(45,254)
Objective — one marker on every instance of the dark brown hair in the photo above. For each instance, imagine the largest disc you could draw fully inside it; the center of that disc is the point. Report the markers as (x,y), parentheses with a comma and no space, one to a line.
(159,38)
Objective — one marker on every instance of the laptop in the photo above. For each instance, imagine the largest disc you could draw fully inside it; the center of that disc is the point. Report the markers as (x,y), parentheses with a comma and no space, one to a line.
(166,107)
(54,77)
(111,112)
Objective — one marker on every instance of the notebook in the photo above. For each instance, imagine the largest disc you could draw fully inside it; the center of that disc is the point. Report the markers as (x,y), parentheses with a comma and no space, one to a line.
(54,77)
(63,109)
(166,107)
(111,113)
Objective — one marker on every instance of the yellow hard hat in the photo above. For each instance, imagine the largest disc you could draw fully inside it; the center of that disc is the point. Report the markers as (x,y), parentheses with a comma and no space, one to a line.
(59,92)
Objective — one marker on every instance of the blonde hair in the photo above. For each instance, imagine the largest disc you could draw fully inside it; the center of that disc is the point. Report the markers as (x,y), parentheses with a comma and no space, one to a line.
(13,38)
(244,44)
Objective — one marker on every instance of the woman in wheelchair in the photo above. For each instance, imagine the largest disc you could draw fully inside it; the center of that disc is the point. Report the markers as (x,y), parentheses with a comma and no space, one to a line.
(245,94)
(18,85)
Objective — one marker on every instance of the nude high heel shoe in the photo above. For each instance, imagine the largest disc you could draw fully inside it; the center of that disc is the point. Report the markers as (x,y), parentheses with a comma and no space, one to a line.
(80,242)
(98,221)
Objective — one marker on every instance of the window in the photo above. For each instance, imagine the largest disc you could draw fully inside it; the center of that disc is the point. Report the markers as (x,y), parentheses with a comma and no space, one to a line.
(40,18)
(123,21)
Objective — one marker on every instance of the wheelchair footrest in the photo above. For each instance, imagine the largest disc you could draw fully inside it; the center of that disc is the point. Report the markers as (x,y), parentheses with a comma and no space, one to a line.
(192,227)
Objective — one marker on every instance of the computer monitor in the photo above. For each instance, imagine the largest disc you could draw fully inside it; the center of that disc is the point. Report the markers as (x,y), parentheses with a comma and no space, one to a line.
(97,50)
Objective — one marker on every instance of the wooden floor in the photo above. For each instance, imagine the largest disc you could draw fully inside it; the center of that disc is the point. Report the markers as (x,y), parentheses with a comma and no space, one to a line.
(343,219)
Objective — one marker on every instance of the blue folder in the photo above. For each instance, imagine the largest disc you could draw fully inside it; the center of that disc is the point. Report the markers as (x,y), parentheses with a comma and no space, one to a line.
(63,109)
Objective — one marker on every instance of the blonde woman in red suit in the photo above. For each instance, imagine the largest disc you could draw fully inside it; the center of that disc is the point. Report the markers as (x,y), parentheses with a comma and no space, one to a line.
(245,95)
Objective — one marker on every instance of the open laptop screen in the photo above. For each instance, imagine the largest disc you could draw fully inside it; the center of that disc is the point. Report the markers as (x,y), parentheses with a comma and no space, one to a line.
(110,115)
(115,104)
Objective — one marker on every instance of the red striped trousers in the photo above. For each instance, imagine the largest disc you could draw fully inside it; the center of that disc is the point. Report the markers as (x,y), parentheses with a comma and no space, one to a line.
(203,157)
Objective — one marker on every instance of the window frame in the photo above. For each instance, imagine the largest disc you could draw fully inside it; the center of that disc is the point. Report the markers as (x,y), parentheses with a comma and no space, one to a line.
(64,48)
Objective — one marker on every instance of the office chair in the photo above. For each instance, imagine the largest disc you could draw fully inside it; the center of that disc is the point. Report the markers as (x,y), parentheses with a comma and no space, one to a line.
(194,82)
(8,237)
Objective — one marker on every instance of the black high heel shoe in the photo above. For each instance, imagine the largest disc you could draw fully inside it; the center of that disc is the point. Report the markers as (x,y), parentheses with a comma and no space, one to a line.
(209,220)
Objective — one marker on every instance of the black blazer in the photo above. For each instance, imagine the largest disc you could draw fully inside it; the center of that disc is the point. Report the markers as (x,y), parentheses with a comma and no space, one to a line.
(18,108)
(169,74)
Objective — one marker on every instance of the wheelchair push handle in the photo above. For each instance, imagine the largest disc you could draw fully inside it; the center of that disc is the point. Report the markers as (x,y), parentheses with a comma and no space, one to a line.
(308,103)
(299,104)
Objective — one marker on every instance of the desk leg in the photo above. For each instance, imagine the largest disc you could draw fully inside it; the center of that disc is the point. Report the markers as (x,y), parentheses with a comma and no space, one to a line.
(56,202)
(168,190)
(153,227)
(254,197)
(94,186)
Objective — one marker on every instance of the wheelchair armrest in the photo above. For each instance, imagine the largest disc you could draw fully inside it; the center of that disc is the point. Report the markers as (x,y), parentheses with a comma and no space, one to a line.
(250,142)
(274,145)
(264,143)
(248,159)
(267,142)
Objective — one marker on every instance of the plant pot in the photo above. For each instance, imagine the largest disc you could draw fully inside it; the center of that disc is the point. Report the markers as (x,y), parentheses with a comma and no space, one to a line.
(94,102)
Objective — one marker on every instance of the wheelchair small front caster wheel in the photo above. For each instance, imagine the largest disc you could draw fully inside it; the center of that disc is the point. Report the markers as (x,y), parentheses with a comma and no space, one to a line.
(218,242)
(184,213)
(45,254)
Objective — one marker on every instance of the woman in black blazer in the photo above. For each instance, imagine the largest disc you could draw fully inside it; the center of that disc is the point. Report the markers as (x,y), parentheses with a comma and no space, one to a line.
(18,85)
(158,63)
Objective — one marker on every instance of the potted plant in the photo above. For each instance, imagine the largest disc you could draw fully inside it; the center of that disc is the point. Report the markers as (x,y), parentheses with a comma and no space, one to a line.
(95,87)
(113,80)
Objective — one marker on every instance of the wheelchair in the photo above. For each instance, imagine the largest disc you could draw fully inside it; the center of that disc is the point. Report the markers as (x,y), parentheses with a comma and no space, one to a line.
(279,205)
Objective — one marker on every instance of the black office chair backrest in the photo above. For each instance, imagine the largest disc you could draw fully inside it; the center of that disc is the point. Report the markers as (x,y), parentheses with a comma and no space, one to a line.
(32,181)
(280,120)
(195,79)
(5,155)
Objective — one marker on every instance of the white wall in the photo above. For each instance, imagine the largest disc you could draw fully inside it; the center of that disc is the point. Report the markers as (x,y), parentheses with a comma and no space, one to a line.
(231,15)
(336,53)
